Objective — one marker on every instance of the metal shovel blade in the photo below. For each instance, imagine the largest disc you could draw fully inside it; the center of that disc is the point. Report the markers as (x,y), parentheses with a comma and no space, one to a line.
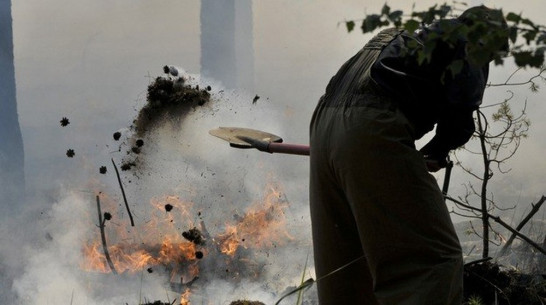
(234,134)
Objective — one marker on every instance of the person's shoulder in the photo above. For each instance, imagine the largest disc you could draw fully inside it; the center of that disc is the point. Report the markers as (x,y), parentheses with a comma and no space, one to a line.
(382,38)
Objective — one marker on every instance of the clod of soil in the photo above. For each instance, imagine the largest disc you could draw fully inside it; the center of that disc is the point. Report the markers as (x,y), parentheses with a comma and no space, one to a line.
(117,135)
(168,207)
(199,255)
(127,165)
(107,216)
(70,153)
(102,170)
(139,142)
(194,235)
(245,302)
(150,270)
(168,98)
(157,303)
(64,122)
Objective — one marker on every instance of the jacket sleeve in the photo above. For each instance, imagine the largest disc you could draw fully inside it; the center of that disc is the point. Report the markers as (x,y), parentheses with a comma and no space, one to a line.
(455,126)
(453,130)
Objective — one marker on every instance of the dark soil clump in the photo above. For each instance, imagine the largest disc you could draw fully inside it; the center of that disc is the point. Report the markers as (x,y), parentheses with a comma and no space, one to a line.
(127,165)
(64,122)
(245,302)
(168,98)
(194,235)
(157,303)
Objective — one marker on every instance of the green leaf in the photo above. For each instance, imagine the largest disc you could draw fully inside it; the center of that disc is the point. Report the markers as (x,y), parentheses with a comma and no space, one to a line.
(386,10)
(513,34)
(478,56)
(412,44)
(396,18)
(528,22)
(528,58)
(444,10)
(541,38)
(456,67)
(350,25)
(411,25)
(370,23)
(529,36)
(513,17)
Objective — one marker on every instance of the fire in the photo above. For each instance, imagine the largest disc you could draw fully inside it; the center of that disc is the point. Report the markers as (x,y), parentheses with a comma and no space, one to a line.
(185,297)
(262,226)
(160,245)
(129,258)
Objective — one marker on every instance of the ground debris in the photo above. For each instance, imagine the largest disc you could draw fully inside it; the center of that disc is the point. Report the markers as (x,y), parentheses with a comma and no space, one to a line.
(157,303)
(245,302)
(167,96)
(64,122)
(70,153)
(194,235)
(125,166)
(485,280)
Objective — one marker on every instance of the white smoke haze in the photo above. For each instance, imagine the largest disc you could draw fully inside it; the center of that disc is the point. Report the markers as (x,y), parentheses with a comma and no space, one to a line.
(87,62)
(181,162)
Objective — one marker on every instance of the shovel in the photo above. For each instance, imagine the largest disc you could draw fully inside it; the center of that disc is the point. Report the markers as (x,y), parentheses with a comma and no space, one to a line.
(262,141)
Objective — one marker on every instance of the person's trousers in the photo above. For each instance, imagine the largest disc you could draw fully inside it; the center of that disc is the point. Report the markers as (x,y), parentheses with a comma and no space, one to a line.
(372,200)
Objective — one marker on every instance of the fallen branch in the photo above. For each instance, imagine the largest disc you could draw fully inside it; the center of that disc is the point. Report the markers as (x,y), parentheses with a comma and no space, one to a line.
(103,237)
(532,213)
(123,193)
(502,223)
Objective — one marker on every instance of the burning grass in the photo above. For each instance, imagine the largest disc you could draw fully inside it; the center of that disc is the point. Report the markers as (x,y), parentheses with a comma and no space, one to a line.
(194,257)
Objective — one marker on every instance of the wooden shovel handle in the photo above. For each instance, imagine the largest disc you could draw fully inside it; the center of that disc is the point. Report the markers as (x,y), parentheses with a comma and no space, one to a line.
(273,147)
(292,149)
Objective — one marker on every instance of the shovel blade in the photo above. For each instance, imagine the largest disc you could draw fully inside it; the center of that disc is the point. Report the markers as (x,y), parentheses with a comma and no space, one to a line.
(234,134)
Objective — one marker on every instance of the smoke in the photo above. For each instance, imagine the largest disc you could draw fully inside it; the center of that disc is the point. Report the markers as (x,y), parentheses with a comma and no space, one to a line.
(178,158)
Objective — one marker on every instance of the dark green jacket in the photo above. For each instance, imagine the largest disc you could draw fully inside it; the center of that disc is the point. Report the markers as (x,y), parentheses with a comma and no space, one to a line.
(428,94)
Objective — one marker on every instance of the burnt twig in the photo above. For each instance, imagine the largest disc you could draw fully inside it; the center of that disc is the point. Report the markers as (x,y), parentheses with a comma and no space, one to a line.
(103,237)
(533,211)
(504,224)
(123,193)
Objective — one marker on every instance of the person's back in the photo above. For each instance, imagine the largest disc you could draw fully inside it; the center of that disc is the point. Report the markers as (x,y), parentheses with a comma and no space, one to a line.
(353,78)
(381,231)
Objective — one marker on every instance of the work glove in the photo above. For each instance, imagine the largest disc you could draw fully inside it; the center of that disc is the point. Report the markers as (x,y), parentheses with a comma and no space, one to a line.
(434,164)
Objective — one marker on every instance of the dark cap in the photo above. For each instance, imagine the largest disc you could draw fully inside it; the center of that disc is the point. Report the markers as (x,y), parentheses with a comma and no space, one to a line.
(493,17)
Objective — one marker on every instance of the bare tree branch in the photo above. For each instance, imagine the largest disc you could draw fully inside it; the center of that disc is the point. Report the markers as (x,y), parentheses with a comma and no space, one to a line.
(502,223)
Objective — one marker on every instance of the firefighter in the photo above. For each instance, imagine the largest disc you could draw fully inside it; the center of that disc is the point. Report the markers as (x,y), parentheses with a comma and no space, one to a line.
(382,233)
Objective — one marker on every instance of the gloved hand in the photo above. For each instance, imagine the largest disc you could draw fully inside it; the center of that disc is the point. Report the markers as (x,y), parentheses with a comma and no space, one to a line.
(434,163)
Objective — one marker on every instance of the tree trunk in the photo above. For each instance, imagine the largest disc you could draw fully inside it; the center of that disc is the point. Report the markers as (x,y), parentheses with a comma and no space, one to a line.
(12,180)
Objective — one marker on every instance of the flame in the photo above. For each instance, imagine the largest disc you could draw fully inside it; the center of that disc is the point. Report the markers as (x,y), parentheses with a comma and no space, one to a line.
(185,297)
(262,226)
(159,242)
